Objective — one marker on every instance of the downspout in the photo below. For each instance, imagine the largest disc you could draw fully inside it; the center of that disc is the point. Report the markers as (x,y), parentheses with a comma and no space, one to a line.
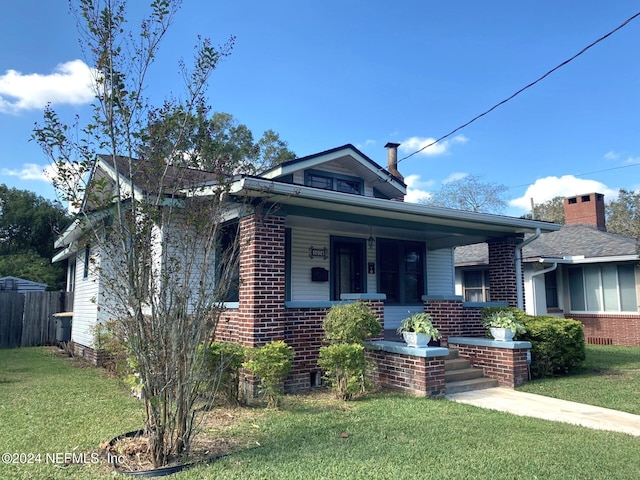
(518,260)
(553,266)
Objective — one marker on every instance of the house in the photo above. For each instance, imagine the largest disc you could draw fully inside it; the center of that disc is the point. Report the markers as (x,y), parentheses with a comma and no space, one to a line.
(580,271)
(341,232)
(20,285)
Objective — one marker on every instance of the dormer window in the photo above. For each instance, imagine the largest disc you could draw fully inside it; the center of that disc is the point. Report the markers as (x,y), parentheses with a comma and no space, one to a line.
(333,181)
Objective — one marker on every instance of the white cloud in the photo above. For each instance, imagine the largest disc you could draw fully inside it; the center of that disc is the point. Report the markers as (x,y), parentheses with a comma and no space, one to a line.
(611,155)
(415,189)
(30,171)
(414,144)
(545,189)
(70,83)
(454,177)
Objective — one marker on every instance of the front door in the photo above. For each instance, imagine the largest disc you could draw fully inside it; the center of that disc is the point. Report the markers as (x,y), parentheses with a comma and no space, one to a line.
(347,266)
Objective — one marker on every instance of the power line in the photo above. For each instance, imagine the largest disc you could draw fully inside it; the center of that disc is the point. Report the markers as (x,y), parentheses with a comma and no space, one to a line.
(623,24)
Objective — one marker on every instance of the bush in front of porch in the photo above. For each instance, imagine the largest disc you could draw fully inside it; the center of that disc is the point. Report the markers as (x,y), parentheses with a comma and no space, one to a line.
(346,328)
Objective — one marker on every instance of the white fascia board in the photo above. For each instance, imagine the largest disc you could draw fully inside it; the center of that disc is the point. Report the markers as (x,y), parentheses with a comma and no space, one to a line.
(64,254)
(582,260)
(258,187)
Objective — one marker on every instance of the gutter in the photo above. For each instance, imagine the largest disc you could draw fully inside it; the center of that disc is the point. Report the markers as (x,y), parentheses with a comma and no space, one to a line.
(518,260)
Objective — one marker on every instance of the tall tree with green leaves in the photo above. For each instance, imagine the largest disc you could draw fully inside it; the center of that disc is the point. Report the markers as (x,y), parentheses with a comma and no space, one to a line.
(623,214)
(549,211)
(29,224)
(165,256)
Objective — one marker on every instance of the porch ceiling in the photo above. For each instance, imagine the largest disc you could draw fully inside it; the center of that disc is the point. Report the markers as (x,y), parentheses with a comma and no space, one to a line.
(439,227)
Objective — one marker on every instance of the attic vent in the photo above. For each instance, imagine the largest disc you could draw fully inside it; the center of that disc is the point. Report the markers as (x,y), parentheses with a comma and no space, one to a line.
(9,284)
(585,198)
(572,200)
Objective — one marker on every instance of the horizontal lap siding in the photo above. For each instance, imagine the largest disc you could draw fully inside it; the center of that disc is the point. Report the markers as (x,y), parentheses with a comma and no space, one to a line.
(440,272)
(85,297)
(302,288)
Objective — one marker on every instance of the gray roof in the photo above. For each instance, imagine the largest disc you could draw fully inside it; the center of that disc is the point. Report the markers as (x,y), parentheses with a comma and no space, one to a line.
(570,240)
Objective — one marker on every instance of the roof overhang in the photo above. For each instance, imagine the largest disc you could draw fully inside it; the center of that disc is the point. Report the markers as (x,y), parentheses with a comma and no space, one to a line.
(443,227)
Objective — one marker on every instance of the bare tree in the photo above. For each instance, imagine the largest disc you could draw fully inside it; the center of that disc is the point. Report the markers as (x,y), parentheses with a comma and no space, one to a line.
(164,253)
(472,194)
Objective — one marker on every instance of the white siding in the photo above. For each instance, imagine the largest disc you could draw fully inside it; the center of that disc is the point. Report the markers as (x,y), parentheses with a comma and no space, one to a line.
(86,294)
(394,314)
(302,288)
(440,272)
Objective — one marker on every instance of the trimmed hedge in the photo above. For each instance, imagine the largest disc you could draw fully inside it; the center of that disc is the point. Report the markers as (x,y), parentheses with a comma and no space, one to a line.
(557,343)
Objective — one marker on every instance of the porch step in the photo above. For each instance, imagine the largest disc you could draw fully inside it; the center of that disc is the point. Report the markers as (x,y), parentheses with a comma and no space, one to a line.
(460,376)
(468,385)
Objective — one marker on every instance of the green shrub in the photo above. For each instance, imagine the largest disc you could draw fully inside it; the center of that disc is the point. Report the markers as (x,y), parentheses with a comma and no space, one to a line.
(222,363)
(557,344)
(271,363)
(350,323)
(346,328)
(345,368)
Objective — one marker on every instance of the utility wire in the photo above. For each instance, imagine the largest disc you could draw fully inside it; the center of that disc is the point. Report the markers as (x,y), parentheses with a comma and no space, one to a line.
(623,24)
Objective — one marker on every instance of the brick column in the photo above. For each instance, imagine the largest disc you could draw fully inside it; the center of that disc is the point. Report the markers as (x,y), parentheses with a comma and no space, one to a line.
(502,271)
(262,280)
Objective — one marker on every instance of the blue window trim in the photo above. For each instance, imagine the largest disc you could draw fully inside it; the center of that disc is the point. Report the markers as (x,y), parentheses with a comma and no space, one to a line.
(333,177)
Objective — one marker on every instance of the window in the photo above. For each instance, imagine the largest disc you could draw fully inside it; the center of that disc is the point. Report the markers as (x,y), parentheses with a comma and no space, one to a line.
(475,285)
(333,181)
(347,266)
(228,265)
(87,258)
(551,289)
(603,288)
(401,271)
(71,281)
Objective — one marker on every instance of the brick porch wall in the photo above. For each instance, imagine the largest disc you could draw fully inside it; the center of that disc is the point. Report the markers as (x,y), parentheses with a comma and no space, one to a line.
(417,375)
(502,271)
(610,329)
(508,366)
(452,319)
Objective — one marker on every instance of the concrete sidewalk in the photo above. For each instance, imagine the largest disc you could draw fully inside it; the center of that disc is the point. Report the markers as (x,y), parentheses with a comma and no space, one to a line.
(538,406)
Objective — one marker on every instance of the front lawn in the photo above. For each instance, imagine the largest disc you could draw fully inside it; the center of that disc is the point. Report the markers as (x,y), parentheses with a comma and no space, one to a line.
(49,405)
(609,378)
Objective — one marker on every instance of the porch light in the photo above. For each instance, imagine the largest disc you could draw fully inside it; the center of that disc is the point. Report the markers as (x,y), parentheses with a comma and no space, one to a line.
(371,241)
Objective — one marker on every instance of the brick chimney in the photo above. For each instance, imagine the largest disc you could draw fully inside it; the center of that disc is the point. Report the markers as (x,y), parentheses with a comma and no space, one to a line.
(586,209)
(392,160)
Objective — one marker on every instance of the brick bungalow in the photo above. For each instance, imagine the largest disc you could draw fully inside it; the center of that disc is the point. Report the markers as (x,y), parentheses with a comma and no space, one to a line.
(340,231)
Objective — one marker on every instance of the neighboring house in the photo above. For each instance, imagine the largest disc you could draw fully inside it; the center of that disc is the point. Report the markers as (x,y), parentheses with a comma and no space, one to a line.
(340,232)
(20,285)
(580,271)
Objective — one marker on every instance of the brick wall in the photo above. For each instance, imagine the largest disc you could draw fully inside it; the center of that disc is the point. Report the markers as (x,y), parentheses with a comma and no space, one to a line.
(610,329)
(508,366)
(408,373)
(452,319)
(502,271)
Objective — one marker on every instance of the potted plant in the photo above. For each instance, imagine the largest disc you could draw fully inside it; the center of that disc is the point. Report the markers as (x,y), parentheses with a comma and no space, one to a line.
(503,325)
(417,330)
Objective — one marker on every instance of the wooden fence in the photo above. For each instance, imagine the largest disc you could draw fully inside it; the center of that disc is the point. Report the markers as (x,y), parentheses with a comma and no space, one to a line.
(26,319)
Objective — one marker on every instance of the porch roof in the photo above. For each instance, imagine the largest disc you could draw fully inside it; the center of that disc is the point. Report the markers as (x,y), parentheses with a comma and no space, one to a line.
(441,227)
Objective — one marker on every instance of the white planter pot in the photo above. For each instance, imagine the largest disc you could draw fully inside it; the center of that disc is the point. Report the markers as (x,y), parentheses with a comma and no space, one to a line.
(414,339)
(502,334)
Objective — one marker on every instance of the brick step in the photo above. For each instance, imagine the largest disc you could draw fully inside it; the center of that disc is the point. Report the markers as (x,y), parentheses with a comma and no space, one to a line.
(468,385)
(462,374)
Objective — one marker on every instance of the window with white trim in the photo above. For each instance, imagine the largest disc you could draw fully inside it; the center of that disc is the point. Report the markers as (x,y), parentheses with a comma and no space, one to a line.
(603,288)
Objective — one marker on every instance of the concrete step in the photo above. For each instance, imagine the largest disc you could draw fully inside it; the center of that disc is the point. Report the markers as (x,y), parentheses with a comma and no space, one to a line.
(456,364)
(468,385)
(462,374)
(453,354)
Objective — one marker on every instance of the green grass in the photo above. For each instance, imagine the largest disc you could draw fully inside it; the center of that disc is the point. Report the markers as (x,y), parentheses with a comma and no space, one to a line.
(48,405)
(609,378)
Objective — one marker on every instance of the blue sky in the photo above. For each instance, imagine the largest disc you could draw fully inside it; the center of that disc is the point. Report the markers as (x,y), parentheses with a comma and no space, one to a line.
(323,74)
